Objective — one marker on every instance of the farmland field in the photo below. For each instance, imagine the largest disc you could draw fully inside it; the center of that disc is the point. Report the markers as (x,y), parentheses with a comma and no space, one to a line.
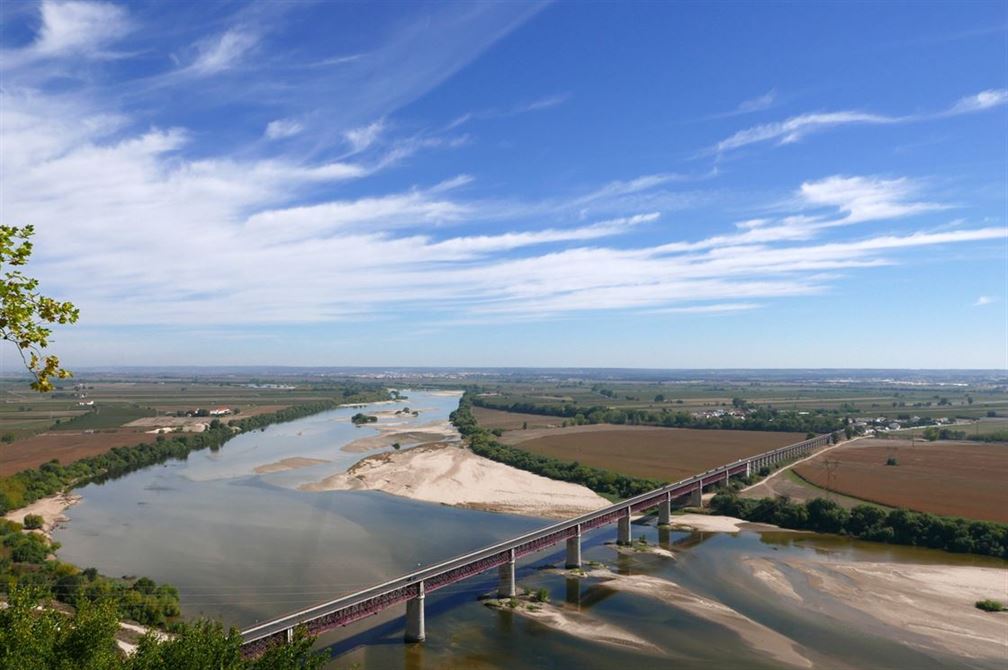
(65,446)
(495,418)
(667,454)
(949,478)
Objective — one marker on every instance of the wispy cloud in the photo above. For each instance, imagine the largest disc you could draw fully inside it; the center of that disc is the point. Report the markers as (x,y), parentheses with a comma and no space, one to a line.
(984,300)
(797,127)
(363,137)
(750,106)
(222,52)
(281,128)
(981,101)
(79,27)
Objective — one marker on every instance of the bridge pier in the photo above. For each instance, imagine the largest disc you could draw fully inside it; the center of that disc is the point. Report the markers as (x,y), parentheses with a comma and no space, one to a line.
(506,581)
(415,631)
(623,530)
(665,511)
(574,550)
(696,497)
(748,469)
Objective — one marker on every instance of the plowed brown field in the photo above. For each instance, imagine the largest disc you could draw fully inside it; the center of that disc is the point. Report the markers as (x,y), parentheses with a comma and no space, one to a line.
(665,454)
(65,446)
(966,479)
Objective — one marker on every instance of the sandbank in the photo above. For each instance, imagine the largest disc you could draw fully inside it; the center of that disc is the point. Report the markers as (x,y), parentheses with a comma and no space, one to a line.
(931,605)
(453,475)
(580,624)
(756,635)
(286,464)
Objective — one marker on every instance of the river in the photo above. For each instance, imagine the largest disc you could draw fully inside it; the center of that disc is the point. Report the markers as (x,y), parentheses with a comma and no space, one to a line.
(245,547)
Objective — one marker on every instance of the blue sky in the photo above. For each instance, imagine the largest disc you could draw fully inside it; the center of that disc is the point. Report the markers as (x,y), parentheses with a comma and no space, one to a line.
(640,185)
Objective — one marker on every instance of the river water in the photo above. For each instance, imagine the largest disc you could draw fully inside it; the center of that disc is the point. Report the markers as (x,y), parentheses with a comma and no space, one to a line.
(244,547)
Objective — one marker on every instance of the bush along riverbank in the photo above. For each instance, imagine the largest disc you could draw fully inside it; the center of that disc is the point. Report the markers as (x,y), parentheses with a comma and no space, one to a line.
(484,443)
(26,558)
(868,522)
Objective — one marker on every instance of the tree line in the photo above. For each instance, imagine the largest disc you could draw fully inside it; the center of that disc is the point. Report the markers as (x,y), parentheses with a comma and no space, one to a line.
(760,418)
(868,522)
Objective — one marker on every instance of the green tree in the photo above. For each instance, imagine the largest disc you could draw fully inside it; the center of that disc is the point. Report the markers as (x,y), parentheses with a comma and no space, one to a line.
(33,521)
(25,314)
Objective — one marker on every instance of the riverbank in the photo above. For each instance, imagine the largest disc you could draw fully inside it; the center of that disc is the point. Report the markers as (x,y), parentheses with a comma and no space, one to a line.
(51,509)
(452,475)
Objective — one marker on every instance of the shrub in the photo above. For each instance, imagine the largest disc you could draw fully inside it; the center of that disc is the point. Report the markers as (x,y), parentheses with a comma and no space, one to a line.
(33,521)
(540,595)
(990,605)
(890,461)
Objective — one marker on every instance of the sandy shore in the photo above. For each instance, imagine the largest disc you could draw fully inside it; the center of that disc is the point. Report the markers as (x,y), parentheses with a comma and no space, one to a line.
(755,634)
(930,606)
(285,464)
(50,509)
(406,435)
(453,475)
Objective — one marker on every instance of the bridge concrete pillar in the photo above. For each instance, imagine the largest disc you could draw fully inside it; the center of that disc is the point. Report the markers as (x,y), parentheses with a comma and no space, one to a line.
(574,550)
(696,497)
(748,468)
(665,510)
(727,479)
(415,631)
(623,530)
(506,583)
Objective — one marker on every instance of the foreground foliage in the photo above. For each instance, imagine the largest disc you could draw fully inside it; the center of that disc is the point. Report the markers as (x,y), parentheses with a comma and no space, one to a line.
(25,314)
(42,638)
(868,522)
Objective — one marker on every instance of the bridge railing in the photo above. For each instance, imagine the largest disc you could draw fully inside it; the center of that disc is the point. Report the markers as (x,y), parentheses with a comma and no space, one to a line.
(441,574)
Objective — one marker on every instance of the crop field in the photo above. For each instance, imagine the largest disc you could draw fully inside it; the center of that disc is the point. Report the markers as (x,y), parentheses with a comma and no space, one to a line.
(965,479)
(495,418)
(65,446)
(666,454)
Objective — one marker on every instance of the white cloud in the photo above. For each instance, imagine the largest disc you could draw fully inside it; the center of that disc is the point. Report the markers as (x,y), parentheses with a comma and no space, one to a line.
(866,198)
(793,129)
(157,237)
(363,137)
(281,128)
(797,127)
(222,52)
(979,102)
(985,300)
(78,27)
(759,103)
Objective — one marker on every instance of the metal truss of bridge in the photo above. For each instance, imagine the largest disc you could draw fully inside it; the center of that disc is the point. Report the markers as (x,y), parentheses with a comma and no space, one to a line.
(412,588)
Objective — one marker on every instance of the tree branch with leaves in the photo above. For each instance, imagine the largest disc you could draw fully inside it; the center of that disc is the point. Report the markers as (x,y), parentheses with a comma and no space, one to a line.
(26,314)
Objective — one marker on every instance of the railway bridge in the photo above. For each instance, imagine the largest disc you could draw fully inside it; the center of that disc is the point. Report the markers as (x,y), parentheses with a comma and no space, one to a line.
(412,588)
